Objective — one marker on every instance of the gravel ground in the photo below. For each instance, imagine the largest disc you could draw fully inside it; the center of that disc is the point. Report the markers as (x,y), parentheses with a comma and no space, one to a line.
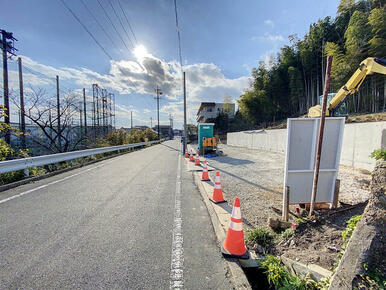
(256,177)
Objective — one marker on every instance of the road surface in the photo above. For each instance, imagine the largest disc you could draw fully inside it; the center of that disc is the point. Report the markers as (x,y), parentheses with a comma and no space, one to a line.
(113,224)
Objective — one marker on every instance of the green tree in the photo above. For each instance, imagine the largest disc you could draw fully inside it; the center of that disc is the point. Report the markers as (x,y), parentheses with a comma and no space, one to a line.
(377,21)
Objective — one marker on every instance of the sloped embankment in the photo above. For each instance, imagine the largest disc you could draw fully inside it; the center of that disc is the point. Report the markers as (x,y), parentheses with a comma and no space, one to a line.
(365,251)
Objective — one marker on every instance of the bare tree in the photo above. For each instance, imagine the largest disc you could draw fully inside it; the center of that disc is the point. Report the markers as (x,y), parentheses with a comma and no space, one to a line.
(41,110)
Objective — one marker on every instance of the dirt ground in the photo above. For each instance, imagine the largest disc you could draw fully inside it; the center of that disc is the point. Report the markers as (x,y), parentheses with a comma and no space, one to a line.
(256,177)
(319,242)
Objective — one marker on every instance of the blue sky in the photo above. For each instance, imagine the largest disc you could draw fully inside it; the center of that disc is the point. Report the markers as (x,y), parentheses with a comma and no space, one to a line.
(221,42)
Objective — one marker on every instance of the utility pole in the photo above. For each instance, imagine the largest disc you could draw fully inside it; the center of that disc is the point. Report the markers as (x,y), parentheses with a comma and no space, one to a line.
(58,112)
(170,126)
(131,113)
(6,46)
(22,110)
(94,109)
(159,93)
(80,120)
(185,127)
(84,111)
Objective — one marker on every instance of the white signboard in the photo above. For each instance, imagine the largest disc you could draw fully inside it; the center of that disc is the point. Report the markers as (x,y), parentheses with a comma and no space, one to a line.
(302,135)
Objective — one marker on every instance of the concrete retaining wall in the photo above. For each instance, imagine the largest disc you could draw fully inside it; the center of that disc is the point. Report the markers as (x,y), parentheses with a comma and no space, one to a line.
(359,140)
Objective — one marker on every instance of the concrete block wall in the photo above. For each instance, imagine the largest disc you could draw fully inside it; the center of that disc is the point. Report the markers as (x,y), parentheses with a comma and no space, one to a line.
(359,140)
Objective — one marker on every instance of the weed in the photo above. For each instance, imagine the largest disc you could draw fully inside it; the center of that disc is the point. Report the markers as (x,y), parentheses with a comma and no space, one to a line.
(262,237)
(324,283)
(279,277)
(301,220)
(378,154)
(300,282)
(351,224)
(287,233)
(372,279)
(346,234)
(277,274)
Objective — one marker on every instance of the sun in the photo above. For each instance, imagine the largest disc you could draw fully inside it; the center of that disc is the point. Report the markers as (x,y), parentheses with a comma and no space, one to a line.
(140,51)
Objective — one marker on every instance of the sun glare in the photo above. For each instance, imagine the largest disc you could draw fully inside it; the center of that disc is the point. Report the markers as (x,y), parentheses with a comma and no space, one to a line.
(140,51)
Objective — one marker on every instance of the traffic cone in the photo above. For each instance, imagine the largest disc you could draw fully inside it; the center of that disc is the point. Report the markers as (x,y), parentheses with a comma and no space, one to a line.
(205,175)
(191,158)
(217,191)
(197,160)
(186,153)
(234,245)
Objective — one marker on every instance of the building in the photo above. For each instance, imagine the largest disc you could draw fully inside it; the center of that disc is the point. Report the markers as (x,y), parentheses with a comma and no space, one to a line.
(209,111)
(165,130)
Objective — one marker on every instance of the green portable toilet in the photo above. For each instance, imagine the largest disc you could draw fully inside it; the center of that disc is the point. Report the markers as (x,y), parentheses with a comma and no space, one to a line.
(204,130)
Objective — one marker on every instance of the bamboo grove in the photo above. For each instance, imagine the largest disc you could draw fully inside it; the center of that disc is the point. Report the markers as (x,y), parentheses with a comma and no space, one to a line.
(293,81)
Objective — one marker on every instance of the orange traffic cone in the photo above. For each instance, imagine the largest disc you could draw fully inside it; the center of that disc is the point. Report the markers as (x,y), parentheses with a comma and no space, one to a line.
(234,245)
(186,153)
(205,175)
(197,160)
(191,158)
(217,191)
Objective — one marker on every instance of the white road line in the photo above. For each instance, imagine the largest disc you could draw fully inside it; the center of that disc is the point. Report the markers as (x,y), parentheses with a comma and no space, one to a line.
(177,262)
(51,183)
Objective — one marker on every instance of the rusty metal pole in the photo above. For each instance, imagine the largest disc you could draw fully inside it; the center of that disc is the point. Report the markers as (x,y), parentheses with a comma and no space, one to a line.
(320,136)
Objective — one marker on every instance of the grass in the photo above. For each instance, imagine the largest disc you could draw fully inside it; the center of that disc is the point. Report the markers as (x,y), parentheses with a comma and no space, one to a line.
(372,279)
(351,224)
(378,154)
(346,235)
(287,233)
(262,237)
(279,277)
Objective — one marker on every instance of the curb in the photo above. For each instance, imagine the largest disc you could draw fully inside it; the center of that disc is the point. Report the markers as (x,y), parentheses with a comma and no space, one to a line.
(238,277)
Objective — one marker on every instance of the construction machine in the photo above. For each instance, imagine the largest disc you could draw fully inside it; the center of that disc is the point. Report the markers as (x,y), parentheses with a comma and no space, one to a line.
(335,102)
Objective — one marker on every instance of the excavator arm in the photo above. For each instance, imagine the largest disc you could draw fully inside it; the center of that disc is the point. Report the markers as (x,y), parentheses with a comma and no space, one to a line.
(369,66)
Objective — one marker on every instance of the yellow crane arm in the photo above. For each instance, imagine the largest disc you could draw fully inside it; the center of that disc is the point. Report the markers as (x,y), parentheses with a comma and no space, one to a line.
(367,67)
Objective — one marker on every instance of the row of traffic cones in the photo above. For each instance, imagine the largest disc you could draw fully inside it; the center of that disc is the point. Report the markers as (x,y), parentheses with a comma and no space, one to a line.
(234,244)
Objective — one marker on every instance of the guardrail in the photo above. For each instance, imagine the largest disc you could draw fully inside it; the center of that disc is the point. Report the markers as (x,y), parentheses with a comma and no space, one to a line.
(24,163)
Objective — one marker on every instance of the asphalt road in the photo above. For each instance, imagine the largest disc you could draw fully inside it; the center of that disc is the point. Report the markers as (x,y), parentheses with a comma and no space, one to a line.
(111,225)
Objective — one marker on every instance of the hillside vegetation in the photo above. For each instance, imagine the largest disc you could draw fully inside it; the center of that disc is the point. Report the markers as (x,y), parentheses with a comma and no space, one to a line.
(293,81)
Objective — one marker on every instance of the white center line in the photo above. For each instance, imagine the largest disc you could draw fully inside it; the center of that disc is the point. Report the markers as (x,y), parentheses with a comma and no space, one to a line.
(177,262)
(51,183)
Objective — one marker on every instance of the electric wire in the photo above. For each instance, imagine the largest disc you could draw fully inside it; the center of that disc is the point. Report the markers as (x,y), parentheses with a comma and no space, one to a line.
(111,22)
(128,22)
(123,27)
(99,24)
(85,28)
(178,33)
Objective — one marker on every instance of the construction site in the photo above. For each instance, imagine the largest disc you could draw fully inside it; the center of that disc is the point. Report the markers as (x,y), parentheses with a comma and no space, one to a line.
(329,233)
(193,144)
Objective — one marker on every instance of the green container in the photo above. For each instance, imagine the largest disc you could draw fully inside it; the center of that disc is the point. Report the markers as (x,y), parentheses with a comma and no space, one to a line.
(204,130)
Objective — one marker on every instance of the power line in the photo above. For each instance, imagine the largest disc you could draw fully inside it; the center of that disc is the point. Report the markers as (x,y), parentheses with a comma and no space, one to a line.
(128,22)
(85,28)
(178,33)
(108,17)
(119,19)
(99,24)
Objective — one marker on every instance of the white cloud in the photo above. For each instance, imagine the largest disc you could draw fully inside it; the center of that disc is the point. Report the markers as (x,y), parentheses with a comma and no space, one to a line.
(205,82)
(269,22)
(272,38)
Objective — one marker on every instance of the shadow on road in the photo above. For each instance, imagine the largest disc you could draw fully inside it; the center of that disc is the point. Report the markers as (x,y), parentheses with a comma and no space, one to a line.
(170,147)
(246,181)
(233,161)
